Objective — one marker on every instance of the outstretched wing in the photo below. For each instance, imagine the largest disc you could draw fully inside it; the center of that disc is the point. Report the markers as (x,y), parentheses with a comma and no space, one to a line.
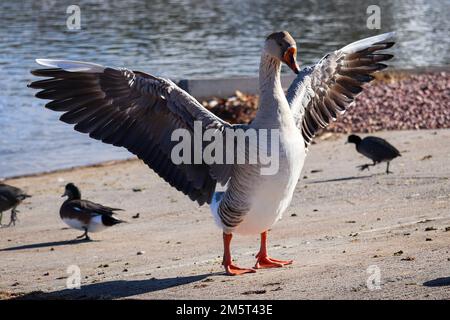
(134,110)
(327,89)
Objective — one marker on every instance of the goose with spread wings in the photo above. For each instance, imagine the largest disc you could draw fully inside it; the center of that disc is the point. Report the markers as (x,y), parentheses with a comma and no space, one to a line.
(140,112)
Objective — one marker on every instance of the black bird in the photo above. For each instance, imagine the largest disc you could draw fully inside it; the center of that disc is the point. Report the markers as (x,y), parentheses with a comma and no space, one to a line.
(376,149)
(85,215)
(10,198)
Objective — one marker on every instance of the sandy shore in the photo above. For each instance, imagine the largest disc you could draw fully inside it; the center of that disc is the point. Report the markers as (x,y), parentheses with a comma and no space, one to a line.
(340,223)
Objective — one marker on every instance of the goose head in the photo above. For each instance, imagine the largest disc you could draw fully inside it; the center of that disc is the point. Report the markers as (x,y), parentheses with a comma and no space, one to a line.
(281,46)
(72,192)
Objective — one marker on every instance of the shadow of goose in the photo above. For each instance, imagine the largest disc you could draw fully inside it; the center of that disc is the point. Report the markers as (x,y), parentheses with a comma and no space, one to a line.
(115,289)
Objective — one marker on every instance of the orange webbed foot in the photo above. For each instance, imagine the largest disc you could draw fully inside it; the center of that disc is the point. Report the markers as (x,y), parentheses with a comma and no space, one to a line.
(232,270)
(264,262)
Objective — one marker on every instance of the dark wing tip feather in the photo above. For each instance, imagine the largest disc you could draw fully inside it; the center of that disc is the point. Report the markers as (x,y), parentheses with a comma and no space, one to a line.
(387,44)
(47,72)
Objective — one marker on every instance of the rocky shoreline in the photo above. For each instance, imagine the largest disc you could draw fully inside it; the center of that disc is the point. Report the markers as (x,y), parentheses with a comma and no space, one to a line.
(395,101)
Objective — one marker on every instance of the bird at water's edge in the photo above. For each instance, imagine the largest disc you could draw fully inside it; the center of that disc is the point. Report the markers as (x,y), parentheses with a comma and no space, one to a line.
(85,215)
(376,149)
(10,198)
(139,112)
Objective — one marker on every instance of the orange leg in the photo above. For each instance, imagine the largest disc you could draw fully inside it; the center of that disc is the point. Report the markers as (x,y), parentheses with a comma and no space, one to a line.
(263,261)
(230,268)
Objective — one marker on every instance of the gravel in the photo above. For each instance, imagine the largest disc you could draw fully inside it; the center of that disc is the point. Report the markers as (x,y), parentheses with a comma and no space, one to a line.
(395,101)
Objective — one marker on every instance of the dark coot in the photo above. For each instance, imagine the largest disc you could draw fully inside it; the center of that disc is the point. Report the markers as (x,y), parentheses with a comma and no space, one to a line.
(10,198)
(374,148)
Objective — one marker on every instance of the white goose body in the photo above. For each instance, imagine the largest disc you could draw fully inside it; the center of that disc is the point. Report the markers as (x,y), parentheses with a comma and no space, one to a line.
(272,194)
(268,196)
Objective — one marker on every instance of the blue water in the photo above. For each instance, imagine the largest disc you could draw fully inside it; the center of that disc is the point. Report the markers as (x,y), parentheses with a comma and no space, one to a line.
(178,39)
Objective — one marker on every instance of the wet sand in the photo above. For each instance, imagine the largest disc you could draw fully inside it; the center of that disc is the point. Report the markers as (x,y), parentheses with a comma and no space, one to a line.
(340,223)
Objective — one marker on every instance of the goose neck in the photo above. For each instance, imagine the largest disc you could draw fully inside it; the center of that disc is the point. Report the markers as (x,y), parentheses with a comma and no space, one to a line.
(269,75)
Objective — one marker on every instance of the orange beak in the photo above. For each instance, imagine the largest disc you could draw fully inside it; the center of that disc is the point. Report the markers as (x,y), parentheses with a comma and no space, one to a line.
(290,59)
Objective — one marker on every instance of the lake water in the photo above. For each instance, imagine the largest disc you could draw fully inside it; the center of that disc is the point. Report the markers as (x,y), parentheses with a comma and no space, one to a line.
(177,39)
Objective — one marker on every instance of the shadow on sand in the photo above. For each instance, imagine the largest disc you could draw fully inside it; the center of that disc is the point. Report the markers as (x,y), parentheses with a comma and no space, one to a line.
(342,179)
(47,244)
(438,282)
(381,174)
(115,289)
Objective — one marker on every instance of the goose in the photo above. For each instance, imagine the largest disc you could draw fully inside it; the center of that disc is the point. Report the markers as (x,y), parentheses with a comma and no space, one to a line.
(10,198)
(376,149)
(85,215)
(140,112)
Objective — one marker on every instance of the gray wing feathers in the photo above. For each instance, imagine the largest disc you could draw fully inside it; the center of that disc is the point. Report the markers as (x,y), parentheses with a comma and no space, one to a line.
(236,201)
(130,109)
(322,92)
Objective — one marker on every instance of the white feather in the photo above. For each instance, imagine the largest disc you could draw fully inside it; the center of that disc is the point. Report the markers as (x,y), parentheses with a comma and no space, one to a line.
(96,224)
(72,66)
(367,42)
(272,194)
(215,203)
(74,223)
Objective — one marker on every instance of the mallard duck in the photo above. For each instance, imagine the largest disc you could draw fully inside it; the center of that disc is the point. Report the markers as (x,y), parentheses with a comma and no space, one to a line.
(376,149)
(10,198)
(85,215)
(141,112)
